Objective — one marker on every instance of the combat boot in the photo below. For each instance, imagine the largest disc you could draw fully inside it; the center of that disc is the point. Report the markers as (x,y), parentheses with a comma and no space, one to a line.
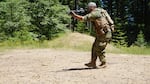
(103,65)
(91,64)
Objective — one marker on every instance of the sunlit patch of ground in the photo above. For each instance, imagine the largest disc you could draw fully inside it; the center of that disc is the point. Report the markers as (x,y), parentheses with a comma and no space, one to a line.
(47,66)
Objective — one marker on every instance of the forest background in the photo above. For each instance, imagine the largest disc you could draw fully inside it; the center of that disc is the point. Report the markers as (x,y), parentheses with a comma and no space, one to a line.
(24,22)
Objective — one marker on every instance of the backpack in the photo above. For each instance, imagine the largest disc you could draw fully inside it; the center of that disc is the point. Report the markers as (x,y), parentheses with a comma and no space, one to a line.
(108,18)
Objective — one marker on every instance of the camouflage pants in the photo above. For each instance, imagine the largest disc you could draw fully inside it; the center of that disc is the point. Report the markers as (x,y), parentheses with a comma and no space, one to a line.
(98,48)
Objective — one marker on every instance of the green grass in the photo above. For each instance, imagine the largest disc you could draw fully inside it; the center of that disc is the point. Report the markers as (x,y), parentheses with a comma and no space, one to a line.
(22,45)
(136,50)
(8,45)
(72,41)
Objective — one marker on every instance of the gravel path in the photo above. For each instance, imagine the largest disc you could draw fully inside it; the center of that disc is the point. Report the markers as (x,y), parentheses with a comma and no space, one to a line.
(46,66)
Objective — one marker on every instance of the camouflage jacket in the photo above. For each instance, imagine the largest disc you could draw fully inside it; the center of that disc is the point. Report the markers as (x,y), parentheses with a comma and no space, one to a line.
(101,20)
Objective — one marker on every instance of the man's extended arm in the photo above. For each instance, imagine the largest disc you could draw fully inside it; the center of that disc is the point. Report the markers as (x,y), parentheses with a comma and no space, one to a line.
(76,16)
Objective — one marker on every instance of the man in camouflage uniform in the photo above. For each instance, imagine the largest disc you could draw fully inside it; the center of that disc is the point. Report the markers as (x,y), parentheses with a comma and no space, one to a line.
(103,26)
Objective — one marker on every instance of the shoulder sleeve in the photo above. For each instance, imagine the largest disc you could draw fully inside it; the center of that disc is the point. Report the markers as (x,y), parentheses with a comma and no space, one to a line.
(92,16)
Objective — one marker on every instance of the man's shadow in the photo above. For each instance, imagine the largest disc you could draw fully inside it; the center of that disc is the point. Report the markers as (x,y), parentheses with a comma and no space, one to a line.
(76,69)
(79,69)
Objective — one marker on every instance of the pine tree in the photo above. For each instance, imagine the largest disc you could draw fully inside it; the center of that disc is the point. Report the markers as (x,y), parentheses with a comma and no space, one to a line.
(140,40)
(119,36)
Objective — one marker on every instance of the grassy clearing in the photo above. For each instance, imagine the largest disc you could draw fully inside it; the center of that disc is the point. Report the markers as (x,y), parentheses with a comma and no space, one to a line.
(136,50)
(82,42)
(8,45)
(71,41)
(22,45)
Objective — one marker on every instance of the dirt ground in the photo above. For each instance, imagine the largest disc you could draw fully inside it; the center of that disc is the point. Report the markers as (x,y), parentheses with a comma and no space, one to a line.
(46,66)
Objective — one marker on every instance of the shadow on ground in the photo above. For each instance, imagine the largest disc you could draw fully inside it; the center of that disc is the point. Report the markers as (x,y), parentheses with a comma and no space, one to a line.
(76,69)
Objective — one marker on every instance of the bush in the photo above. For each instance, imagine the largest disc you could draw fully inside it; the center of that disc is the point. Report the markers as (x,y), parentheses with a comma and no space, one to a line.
(48,18)
(31,20)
